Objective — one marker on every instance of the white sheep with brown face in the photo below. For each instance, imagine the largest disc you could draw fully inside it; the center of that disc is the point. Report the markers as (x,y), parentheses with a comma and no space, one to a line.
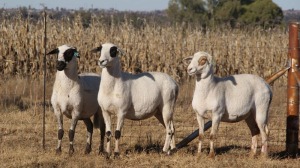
(134,96)
(75,96)
(230,99)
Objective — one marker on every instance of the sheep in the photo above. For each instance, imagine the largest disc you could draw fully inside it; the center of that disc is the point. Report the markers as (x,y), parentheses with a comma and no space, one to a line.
(75,96)
(230,99)
(134,96)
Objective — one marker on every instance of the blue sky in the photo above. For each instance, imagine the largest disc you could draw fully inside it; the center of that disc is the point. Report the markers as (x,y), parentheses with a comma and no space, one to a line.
(133,5)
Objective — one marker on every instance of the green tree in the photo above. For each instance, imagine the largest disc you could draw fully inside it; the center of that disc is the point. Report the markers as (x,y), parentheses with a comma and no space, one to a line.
(215,12)
(188,11)
(261,12)
(228,11)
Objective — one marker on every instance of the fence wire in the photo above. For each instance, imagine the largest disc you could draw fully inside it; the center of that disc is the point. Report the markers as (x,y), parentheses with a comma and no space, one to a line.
(25,94)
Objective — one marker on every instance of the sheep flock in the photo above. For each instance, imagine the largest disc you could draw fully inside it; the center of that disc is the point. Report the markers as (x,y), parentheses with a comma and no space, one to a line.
(143,95)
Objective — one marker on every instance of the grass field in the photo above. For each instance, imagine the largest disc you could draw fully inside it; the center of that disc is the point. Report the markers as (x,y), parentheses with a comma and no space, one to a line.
(152,48)
(141,143)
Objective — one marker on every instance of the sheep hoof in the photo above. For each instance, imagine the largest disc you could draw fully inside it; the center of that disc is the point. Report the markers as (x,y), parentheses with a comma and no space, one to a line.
(199,155)
(71,150)
(101,152)
(106,155)
(88,149)
(211,155)
(252,154)
(167,153)
(264,155)
(172,151)
(116,155)
(58,151)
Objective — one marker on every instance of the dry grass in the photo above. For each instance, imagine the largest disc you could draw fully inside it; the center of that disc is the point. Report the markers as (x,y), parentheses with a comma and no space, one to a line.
(21,146)
(153,48)
(141,142)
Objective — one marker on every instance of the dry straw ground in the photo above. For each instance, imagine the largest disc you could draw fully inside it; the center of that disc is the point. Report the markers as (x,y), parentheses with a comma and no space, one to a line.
(151,48)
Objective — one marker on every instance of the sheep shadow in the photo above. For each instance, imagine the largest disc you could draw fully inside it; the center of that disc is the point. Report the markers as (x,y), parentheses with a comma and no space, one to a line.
(218,151)
(285,155)
(148,148)
(226,149)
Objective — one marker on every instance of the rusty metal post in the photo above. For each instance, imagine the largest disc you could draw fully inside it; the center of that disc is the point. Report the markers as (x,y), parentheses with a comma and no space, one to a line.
(292,122)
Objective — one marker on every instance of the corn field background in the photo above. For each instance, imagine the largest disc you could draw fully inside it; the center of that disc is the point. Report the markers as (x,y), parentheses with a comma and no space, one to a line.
(149,48)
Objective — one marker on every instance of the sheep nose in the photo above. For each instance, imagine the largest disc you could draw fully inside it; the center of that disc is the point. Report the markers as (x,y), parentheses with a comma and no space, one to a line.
(191,70)
(102,62)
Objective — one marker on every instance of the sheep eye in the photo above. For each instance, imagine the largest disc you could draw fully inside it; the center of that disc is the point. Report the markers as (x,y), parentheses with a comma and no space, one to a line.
(202,61)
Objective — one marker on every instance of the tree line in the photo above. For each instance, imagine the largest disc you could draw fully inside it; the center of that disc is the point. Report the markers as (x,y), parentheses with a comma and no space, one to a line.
(231,12)
(203,13)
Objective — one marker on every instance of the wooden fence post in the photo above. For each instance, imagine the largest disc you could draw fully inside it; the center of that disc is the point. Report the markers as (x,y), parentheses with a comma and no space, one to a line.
(292,122)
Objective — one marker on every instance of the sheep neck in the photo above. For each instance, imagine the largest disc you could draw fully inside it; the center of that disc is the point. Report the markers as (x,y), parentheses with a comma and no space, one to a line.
(204,85)
(67,78)
(111,76)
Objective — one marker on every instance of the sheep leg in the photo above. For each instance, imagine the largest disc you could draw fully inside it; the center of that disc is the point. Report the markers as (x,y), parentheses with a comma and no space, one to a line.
(60,133)
(100,124)
(169,132)
(120,122)
(72,134)
(102,134)
(107,120)
(200,120)
(173,145)
(89,127)
(254,133)
(214,129)
(168,125)
(264,132)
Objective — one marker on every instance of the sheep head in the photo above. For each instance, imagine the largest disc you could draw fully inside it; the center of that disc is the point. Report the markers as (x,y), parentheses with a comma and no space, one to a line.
(65,56)
(108,54)
(200,64)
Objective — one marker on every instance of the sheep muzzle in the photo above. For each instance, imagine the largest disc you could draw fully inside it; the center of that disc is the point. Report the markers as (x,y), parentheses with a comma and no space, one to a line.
(102,63)
(60,65)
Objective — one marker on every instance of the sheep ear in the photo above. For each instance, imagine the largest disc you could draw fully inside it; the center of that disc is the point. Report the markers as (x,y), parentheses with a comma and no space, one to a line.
(55,51)
(187,60)
(98,49)
(120,52)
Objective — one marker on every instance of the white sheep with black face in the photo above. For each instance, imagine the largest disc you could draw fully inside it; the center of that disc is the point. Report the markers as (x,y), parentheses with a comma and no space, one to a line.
(230,99)
(75,96)
(134,96)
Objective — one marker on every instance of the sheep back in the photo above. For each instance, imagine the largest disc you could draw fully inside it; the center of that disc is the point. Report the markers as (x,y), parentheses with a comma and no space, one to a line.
(149,91)
(237,95)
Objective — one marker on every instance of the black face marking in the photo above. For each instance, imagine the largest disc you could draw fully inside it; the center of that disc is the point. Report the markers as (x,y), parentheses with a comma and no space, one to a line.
(60,65)
(113,51)
(55,51)
(69,53)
